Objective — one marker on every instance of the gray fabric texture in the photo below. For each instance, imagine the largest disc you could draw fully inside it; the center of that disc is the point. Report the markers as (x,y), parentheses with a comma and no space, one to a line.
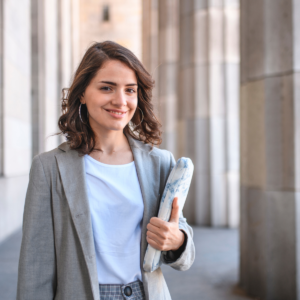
(57,259)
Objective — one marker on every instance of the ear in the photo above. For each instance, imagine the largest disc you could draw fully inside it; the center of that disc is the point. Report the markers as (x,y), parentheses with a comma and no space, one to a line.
(82,100)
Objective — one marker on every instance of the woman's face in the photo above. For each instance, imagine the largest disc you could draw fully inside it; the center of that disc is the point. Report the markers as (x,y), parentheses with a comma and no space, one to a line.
(111,97)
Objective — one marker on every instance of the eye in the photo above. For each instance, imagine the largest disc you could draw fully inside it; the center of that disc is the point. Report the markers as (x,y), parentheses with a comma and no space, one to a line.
(131,91)
(105,88)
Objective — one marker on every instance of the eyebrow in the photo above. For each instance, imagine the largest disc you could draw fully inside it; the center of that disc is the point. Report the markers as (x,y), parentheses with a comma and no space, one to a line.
(113,83)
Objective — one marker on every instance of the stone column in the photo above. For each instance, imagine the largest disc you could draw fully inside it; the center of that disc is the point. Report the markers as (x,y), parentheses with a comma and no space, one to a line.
(192,131)
(65,42)
(150,34)
(150,45)
(15,112)
(232,122)
(216,112)
(38,76)
(16,88)
(270,140)
(46,67)
(65,61)
(1,89)
(168,33)
(76,55)
(51,101)
(62,56)
(208,109)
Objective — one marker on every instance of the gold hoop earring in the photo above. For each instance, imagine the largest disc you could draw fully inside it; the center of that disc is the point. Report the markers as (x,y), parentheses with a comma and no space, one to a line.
(80,115)
(141,121)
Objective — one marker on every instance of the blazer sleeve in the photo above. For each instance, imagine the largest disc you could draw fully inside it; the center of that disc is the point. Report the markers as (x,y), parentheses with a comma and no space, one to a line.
(182,258)
(37,267)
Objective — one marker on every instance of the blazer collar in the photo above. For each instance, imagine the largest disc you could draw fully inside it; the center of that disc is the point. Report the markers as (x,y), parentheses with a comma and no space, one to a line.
(72,172)
(134,143)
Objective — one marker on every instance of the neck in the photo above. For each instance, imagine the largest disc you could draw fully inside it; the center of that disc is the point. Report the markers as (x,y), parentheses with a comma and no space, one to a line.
(111,141)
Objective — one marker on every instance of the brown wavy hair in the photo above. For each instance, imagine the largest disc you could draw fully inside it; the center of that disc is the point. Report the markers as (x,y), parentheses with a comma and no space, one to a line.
(80,136)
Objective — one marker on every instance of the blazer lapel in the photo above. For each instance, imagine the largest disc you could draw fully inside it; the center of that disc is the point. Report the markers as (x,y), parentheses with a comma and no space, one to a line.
(72,172)
(148,170)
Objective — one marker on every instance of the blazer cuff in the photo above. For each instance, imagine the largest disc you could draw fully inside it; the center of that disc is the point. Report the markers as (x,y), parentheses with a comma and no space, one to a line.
(172,255)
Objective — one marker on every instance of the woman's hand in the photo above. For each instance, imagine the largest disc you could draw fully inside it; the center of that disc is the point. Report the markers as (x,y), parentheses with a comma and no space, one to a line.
(165,236)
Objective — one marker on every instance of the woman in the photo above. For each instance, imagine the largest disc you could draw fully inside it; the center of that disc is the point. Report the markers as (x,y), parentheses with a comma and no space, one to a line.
(91,203)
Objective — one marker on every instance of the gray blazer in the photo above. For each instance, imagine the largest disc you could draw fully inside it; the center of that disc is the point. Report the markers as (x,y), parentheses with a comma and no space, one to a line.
(57,259)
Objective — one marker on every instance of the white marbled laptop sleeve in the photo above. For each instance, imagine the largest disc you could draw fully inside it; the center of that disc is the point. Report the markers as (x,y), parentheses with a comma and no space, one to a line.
(177,185)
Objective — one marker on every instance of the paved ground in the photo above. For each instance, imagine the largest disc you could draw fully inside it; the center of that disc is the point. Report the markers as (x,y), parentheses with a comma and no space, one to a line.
(213,275)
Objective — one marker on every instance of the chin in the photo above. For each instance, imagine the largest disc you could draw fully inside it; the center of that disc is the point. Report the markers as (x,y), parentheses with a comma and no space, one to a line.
(116,128)
(110,125)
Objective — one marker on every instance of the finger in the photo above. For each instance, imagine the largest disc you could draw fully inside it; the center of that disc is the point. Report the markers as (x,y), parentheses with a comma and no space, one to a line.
(175,211)
(155,237)
(154,244)
(156,230)
(159,223)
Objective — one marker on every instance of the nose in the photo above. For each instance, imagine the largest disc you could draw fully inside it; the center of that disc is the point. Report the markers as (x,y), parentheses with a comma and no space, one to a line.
(120,98)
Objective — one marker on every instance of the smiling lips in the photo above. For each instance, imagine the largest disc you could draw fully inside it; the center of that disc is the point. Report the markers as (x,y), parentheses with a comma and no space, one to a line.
(117,113)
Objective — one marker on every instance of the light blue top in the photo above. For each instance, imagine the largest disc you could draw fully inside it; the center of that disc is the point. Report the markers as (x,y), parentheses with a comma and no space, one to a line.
(117,207)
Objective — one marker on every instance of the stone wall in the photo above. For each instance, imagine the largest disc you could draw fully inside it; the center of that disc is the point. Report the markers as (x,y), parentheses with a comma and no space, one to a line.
(269,108)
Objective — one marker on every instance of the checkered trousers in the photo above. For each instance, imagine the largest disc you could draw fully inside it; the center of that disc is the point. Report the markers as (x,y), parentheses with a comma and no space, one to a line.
(122,291)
